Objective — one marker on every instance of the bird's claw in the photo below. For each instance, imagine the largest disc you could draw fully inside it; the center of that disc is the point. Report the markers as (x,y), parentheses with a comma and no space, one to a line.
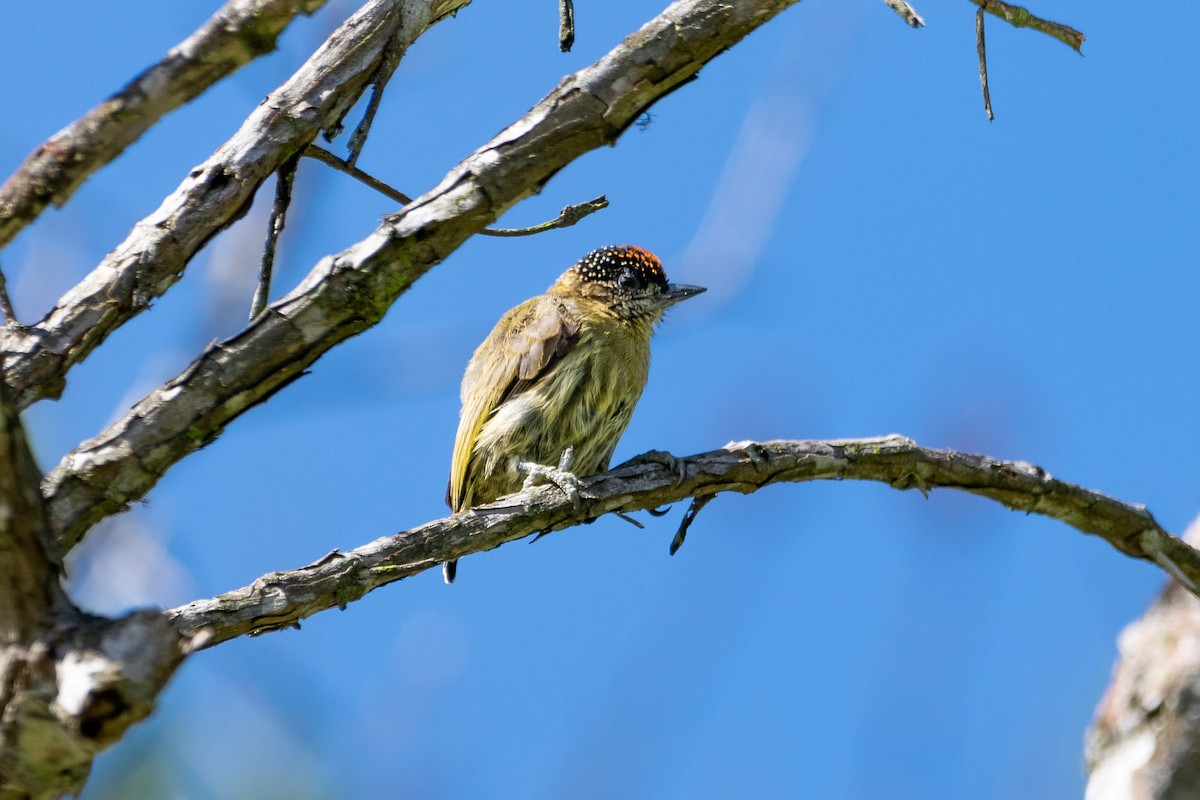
(560,476)
(676,466)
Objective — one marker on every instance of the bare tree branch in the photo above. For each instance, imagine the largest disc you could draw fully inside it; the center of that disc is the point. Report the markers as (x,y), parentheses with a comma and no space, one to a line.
(240,31)
(281,599)
(1020,17)
(217,192)
(96,677)
(348,292)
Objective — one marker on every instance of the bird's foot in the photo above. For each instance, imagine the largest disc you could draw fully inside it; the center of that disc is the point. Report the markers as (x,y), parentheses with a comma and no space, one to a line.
(560,476)
(673,465)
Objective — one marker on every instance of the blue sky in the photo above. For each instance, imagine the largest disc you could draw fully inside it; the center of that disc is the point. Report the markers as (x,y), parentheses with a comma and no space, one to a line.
(880,259)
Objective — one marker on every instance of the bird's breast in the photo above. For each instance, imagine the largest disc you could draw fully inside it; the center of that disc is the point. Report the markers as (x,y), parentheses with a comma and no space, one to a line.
(585,401)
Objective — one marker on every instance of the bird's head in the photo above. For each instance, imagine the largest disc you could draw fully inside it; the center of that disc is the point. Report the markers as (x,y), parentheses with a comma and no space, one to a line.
(628,280)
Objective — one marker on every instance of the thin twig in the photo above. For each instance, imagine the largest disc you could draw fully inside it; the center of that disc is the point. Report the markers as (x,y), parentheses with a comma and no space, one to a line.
(566,25)
(6,306)
(689,517)
(906,12)
(1020,17)
(982,49)
(379,82)
(329,159)
(565,219)
(359,137)
(285,176)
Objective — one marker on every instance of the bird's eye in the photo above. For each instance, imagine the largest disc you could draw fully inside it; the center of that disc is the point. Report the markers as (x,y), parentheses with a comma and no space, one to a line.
(627,281)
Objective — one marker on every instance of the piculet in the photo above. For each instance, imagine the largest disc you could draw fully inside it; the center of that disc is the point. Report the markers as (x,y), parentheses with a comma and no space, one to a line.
(556,380)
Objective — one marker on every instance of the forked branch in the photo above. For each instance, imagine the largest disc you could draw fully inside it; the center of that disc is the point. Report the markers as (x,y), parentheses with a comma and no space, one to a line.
(158,249)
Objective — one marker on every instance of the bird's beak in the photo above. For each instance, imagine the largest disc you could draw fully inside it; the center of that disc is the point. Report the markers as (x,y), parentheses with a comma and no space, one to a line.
(678,292)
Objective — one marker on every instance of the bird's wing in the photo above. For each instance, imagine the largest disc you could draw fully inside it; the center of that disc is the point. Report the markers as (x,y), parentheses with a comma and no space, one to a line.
(525,344)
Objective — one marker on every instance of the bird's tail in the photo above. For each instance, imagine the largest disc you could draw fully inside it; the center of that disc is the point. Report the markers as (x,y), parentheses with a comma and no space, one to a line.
(449,570)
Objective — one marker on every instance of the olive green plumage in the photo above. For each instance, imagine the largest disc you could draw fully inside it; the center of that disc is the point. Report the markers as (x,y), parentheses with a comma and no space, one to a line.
(564,369)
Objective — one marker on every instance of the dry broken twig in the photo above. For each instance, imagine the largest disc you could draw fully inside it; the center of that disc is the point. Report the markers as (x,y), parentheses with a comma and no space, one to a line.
(981,48)
(566,25)
(906,12)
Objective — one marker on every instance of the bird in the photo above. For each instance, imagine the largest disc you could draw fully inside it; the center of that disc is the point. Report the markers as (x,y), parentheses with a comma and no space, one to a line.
(550,391)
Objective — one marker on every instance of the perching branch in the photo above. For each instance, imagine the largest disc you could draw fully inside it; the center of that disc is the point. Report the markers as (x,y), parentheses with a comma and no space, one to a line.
(115,668)
(155,254)
(240,31)
(350,291)
(1020,17)
(282,599)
